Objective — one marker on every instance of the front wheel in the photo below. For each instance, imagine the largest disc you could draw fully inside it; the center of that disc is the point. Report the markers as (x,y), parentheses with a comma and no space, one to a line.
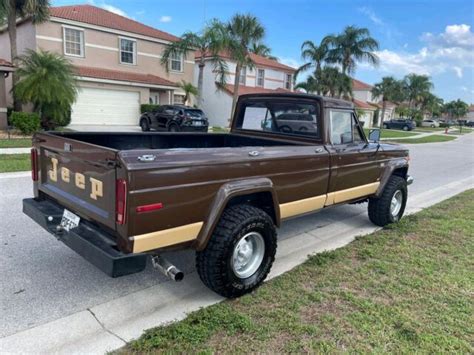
(385,126)
(173,128)
(389,207)
(144,125)
(240,253)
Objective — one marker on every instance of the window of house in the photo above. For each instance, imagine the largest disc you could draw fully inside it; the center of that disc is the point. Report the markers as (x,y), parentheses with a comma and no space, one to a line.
(286,118)
(260,77)
(128,51)
(288,80)
(176,62)
(178,99)
(344,128)
(73,42)
(243,75)
(154,99)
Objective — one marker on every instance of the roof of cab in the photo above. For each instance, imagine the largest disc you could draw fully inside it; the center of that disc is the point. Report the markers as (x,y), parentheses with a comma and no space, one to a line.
(327,101)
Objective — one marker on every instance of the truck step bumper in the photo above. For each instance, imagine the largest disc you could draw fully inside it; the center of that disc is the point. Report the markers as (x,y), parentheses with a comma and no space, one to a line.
(86,240)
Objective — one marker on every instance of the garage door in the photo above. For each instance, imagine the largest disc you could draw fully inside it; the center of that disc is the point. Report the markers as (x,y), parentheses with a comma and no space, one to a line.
(106,107)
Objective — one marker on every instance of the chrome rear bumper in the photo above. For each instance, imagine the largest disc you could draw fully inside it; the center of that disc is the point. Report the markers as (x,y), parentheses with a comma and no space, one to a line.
(410,179)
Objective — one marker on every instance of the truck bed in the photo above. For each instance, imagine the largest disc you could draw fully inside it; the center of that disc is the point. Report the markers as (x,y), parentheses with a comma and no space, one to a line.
(159,140)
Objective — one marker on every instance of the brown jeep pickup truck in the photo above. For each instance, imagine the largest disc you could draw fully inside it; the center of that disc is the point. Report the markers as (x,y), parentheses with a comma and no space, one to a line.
(117,198)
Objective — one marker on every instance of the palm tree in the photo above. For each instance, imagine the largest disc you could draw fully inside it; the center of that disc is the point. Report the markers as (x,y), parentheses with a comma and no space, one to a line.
(310,85)
(417,86)
(263,50)
(352,45)
(315,56)
(388,89)
(37,10)
(189,90)
(432,104)
(334,83)
(209,43)
(47,81)
(243,32)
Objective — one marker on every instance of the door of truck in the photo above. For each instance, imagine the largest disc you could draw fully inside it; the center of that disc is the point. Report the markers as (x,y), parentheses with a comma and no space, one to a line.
(354,166)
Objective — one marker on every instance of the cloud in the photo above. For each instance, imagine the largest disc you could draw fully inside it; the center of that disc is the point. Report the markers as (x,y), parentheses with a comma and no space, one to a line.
(165,19)
(449,51)
(291,62)
(371,15)
(141,12)
(110,8)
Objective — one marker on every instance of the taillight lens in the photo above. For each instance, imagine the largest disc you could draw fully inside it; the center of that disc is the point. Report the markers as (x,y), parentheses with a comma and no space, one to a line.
(34,164)
(121,201)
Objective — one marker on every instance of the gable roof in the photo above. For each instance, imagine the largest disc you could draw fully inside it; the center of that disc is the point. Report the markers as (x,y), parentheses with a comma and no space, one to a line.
(108,74)
(257,59)
(363,105)
(360,85)
(96,16)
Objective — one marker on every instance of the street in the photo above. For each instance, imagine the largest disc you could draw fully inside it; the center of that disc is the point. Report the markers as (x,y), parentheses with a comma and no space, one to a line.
(42,280)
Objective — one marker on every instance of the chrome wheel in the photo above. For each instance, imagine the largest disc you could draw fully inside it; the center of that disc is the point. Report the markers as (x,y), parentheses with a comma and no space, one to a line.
(248,255)
(396,203)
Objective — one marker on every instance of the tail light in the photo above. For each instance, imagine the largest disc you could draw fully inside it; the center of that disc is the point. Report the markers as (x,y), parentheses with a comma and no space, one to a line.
(34,164)
(120,201)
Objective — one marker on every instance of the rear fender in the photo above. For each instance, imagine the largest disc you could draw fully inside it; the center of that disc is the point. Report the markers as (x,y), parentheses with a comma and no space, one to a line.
(396,166)
(231,191)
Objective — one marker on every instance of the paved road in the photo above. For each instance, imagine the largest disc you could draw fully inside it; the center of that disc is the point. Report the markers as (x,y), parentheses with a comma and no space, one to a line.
(42,280)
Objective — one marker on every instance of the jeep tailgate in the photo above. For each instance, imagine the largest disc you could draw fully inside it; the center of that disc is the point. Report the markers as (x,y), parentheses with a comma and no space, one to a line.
(80,176)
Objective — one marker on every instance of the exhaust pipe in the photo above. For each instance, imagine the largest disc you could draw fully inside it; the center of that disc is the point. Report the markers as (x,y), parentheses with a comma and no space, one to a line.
(166,268)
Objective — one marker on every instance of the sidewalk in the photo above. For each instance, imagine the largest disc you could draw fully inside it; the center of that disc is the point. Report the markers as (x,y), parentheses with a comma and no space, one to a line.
(15,150)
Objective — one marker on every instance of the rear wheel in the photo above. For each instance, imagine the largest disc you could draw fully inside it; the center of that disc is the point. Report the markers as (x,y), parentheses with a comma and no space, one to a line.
(385,126)
(144,125)
(173,128)
(389,207)
(240,253)
(405,128)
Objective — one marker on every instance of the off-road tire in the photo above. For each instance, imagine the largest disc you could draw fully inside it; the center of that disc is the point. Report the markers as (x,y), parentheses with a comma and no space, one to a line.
(379,208)
(213,264)
(145,126)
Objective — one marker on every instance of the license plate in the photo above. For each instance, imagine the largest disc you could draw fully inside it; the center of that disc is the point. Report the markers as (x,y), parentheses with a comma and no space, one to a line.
(197,123)
(69,220)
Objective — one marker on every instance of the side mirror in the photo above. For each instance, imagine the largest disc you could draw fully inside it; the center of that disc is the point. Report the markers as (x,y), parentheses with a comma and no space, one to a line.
(374,135)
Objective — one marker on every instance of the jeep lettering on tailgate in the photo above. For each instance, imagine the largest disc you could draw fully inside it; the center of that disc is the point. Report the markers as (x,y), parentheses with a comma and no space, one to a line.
(79,180)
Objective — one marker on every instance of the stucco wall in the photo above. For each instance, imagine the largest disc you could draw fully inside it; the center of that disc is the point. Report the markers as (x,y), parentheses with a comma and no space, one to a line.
(102,51)
(25,40)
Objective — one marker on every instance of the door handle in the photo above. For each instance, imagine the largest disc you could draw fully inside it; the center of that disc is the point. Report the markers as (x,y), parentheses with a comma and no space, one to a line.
(254,153)
(319,150)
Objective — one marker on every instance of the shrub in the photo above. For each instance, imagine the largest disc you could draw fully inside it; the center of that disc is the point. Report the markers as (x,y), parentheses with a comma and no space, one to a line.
(26,122)
(148,107)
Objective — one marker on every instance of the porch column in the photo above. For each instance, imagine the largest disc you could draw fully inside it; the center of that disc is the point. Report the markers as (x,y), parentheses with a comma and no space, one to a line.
(3,102)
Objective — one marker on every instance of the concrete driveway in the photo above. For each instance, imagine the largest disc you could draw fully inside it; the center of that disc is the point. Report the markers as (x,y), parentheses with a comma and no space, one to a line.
(53,300)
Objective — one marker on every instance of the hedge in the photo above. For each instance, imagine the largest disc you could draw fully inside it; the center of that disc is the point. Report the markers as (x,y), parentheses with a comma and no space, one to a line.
(26,122)
(148,107)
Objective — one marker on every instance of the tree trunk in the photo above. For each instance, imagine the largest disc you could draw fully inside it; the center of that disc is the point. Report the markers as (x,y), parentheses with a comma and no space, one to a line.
(318,77)
(238,68)
(384,103)
(13,49)
(200,82)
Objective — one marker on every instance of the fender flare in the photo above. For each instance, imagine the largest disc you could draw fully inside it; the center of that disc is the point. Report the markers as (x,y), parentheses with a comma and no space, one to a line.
(224,195)
(390,167)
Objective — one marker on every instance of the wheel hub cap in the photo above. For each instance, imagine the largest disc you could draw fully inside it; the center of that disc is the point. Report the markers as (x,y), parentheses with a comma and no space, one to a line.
(248,255)
(396,203)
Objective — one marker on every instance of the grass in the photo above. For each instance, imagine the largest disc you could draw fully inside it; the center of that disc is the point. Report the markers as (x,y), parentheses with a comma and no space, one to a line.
(405,289)
(427,139)
(388,133)
(14,162)
(15,143)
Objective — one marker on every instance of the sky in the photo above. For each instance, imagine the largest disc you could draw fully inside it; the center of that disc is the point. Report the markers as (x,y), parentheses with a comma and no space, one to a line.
(434,37)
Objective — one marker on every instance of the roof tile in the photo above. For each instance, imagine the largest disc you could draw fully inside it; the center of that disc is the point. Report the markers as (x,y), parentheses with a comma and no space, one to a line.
(96,16)
(359,85)
(252,89)
(108,74)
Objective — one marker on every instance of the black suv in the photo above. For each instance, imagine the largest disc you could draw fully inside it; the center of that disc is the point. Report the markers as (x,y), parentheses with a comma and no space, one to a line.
(174,118)
(400,123)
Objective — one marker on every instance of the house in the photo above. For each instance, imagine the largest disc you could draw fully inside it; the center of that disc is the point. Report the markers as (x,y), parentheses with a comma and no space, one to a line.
(267,76)
(370,107)
(470,113)
(116,60)
(5,69)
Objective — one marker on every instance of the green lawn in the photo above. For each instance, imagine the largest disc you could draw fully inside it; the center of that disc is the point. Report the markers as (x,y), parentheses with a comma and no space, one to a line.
(14,162)
(405,289)
(390,133)
(15,143)
(428,139)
